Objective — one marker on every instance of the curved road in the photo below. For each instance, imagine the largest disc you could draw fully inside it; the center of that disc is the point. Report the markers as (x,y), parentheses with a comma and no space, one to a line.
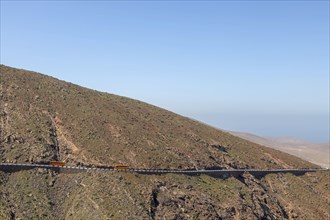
(10,167)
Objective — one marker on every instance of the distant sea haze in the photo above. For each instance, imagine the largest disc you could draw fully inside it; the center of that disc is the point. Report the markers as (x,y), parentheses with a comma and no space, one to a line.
(311,128)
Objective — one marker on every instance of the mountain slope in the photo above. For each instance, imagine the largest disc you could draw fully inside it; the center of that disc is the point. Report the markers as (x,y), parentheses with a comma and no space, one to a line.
(45,119)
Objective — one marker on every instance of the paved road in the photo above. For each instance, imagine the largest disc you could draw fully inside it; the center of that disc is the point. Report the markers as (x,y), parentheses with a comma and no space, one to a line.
(10,167)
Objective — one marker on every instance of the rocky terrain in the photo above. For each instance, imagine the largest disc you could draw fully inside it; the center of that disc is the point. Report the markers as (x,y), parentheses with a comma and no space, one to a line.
(45,119)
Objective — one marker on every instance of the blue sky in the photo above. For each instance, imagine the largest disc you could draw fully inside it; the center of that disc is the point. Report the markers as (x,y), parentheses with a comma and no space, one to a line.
(254,66)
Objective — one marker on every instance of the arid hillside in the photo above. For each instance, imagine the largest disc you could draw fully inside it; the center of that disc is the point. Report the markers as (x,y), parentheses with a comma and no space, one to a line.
(45,119)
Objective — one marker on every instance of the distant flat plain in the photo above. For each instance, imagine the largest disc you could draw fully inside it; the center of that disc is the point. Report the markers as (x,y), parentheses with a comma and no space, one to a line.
(315,153)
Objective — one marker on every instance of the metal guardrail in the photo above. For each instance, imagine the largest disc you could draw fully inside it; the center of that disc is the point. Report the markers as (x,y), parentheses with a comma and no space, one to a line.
(10,167)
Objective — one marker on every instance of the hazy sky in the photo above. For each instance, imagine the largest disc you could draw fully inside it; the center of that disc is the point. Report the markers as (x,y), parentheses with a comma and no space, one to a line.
(260,67)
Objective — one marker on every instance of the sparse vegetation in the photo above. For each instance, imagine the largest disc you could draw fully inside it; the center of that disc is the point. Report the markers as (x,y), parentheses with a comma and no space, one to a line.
(43,118)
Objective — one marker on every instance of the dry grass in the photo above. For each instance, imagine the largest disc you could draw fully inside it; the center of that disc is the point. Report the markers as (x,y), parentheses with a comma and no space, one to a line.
(43,118)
